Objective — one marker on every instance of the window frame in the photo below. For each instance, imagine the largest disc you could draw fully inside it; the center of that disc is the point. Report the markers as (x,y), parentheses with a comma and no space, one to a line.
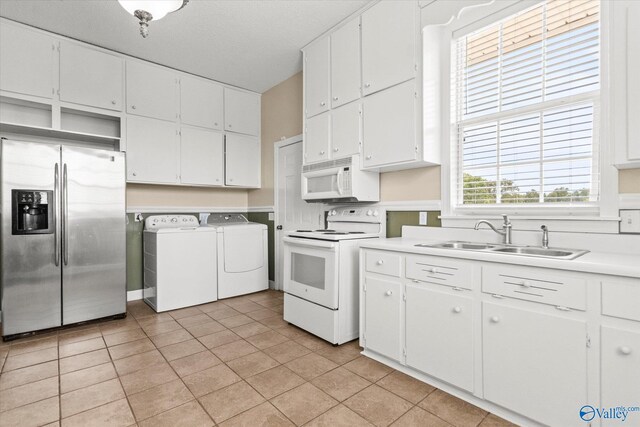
(602,214)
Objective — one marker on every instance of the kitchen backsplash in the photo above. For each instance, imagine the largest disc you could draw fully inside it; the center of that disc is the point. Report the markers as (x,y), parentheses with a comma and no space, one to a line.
(396,219)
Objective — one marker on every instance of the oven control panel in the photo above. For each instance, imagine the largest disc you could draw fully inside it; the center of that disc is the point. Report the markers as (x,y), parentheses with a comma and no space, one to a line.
(365,214)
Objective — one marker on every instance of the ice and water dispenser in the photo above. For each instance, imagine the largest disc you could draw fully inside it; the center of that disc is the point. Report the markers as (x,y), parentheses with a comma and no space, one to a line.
(32,212)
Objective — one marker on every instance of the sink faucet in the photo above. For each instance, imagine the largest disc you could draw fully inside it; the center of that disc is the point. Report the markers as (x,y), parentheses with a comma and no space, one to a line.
(506,228)
(545,236)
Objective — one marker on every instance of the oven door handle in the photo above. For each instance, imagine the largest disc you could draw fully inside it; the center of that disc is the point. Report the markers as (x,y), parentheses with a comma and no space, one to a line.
(311,243)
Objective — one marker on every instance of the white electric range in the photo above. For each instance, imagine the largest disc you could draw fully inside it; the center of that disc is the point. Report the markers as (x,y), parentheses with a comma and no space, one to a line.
(321,273)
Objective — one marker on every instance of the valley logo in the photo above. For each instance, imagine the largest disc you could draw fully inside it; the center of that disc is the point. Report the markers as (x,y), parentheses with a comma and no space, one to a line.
(588,412)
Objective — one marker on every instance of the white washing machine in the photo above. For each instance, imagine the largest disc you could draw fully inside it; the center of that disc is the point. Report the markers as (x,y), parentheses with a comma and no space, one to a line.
(178,271)
(243,257)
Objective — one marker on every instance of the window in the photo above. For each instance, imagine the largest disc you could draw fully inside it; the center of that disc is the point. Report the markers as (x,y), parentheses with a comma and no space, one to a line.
(526,106)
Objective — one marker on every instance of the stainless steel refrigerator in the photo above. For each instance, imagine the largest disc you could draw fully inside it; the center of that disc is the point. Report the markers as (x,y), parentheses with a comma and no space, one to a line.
(63,230)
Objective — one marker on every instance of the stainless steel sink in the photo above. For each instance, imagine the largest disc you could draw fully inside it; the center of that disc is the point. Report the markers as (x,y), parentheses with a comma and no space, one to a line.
(458,245)
(542,252)
(533,251)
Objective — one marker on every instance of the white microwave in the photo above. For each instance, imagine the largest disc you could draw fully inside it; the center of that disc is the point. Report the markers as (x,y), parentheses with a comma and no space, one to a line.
(339,181)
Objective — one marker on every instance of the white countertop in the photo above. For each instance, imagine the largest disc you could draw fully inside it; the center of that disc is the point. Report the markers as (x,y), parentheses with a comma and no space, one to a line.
(593,262)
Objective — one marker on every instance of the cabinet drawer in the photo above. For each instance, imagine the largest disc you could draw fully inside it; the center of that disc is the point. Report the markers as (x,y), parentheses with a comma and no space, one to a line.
(620,299)
(532,284)
(383,263)
(441,271)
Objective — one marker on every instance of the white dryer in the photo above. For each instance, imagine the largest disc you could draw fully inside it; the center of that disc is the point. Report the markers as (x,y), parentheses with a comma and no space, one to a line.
(243,257)
(178,271)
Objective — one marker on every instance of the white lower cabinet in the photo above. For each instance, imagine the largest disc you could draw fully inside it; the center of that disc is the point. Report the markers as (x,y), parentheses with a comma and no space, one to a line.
(439,334)
(620,366)
(242,160)
(535,363)
(201,157)
(152,151)
(383,316)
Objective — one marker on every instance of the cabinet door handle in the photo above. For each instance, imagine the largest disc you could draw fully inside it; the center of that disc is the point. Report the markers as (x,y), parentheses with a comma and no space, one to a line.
(323,104)
(369,157)
(367,85)
(335,150)
(388,293)
(624,350)
(380,262)
(133,107)
(335,98)
(494,319)
(322,153)
(457,309)
(113,102)
(215,124)
(134,174)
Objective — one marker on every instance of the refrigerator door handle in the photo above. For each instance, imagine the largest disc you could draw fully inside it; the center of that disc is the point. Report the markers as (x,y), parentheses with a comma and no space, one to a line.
(65,212)
(56,195)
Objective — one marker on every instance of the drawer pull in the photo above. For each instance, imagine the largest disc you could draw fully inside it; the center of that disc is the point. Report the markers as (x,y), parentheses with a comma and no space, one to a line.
(416,281)
(457,309)
(380,262)
(455,288)
(497,296)
(388,293)
(624,350)
(525,284)
(433,270)
(494,319)
(562,308)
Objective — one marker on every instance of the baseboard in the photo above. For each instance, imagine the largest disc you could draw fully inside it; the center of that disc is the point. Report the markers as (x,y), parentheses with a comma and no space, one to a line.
(134,295)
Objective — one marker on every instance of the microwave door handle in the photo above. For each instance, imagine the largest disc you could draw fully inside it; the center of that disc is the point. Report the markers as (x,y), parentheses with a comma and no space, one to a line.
(339,179)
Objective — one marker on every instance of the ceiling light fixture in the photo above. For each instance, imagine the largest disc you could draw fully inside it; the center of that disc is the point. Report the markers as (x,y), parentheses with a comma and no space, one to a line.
(146,10)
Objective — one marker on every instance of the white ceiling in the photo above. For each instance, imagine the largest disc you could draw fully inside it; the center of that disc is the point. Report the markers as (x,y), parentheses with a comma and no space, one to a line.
(253,44)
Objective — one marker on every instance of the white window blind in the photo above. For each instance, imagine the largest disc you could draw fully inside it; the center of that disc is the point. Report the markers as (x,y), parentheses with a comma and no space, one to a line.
(526,93)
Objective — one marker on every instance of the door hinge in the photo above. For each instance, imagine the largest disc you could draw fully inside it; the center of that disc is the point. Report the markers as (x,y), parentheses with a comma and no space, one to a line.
(404,352)
(404,297)
(588,341)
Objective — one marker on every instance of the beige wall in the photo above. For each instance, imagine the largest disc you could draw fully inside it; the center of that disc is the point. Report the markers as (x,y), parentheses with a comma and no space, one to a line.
(412,184)
(167,195)
(629,181)
(281,118)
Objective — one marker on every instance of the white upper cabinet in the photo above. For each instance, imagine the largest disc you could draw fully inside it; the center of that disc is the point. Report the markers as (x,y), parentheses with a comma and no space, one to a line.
(152,154)
(346,130)
(317,138)
(151,91)
(389,34)
(345,64)
(242,161)
(389,126)
(90,77)
(316,77)
(201,103)
(625,95)
(26,61)
(241,111)
(201,156)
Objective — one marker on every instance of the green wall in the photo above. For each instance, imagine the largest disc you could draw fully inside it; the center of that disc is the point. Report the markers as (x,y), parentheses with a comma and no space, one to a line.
(134,246)
(396,219)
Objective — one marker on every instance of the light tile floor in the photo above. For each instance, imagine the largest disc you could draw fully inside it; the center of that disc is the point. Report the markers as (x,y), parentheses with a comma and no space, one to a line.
(231,363)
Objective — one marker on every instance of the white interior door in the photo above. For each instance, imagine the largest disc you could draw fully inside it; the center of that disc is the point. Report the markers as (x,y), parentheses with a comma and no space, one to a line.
(292,213)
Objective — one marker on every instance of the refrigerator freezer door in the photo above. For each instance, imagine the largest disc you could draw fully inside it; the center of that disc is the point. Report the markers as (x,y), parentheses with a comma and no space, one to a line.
(93,219)
(30,278)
